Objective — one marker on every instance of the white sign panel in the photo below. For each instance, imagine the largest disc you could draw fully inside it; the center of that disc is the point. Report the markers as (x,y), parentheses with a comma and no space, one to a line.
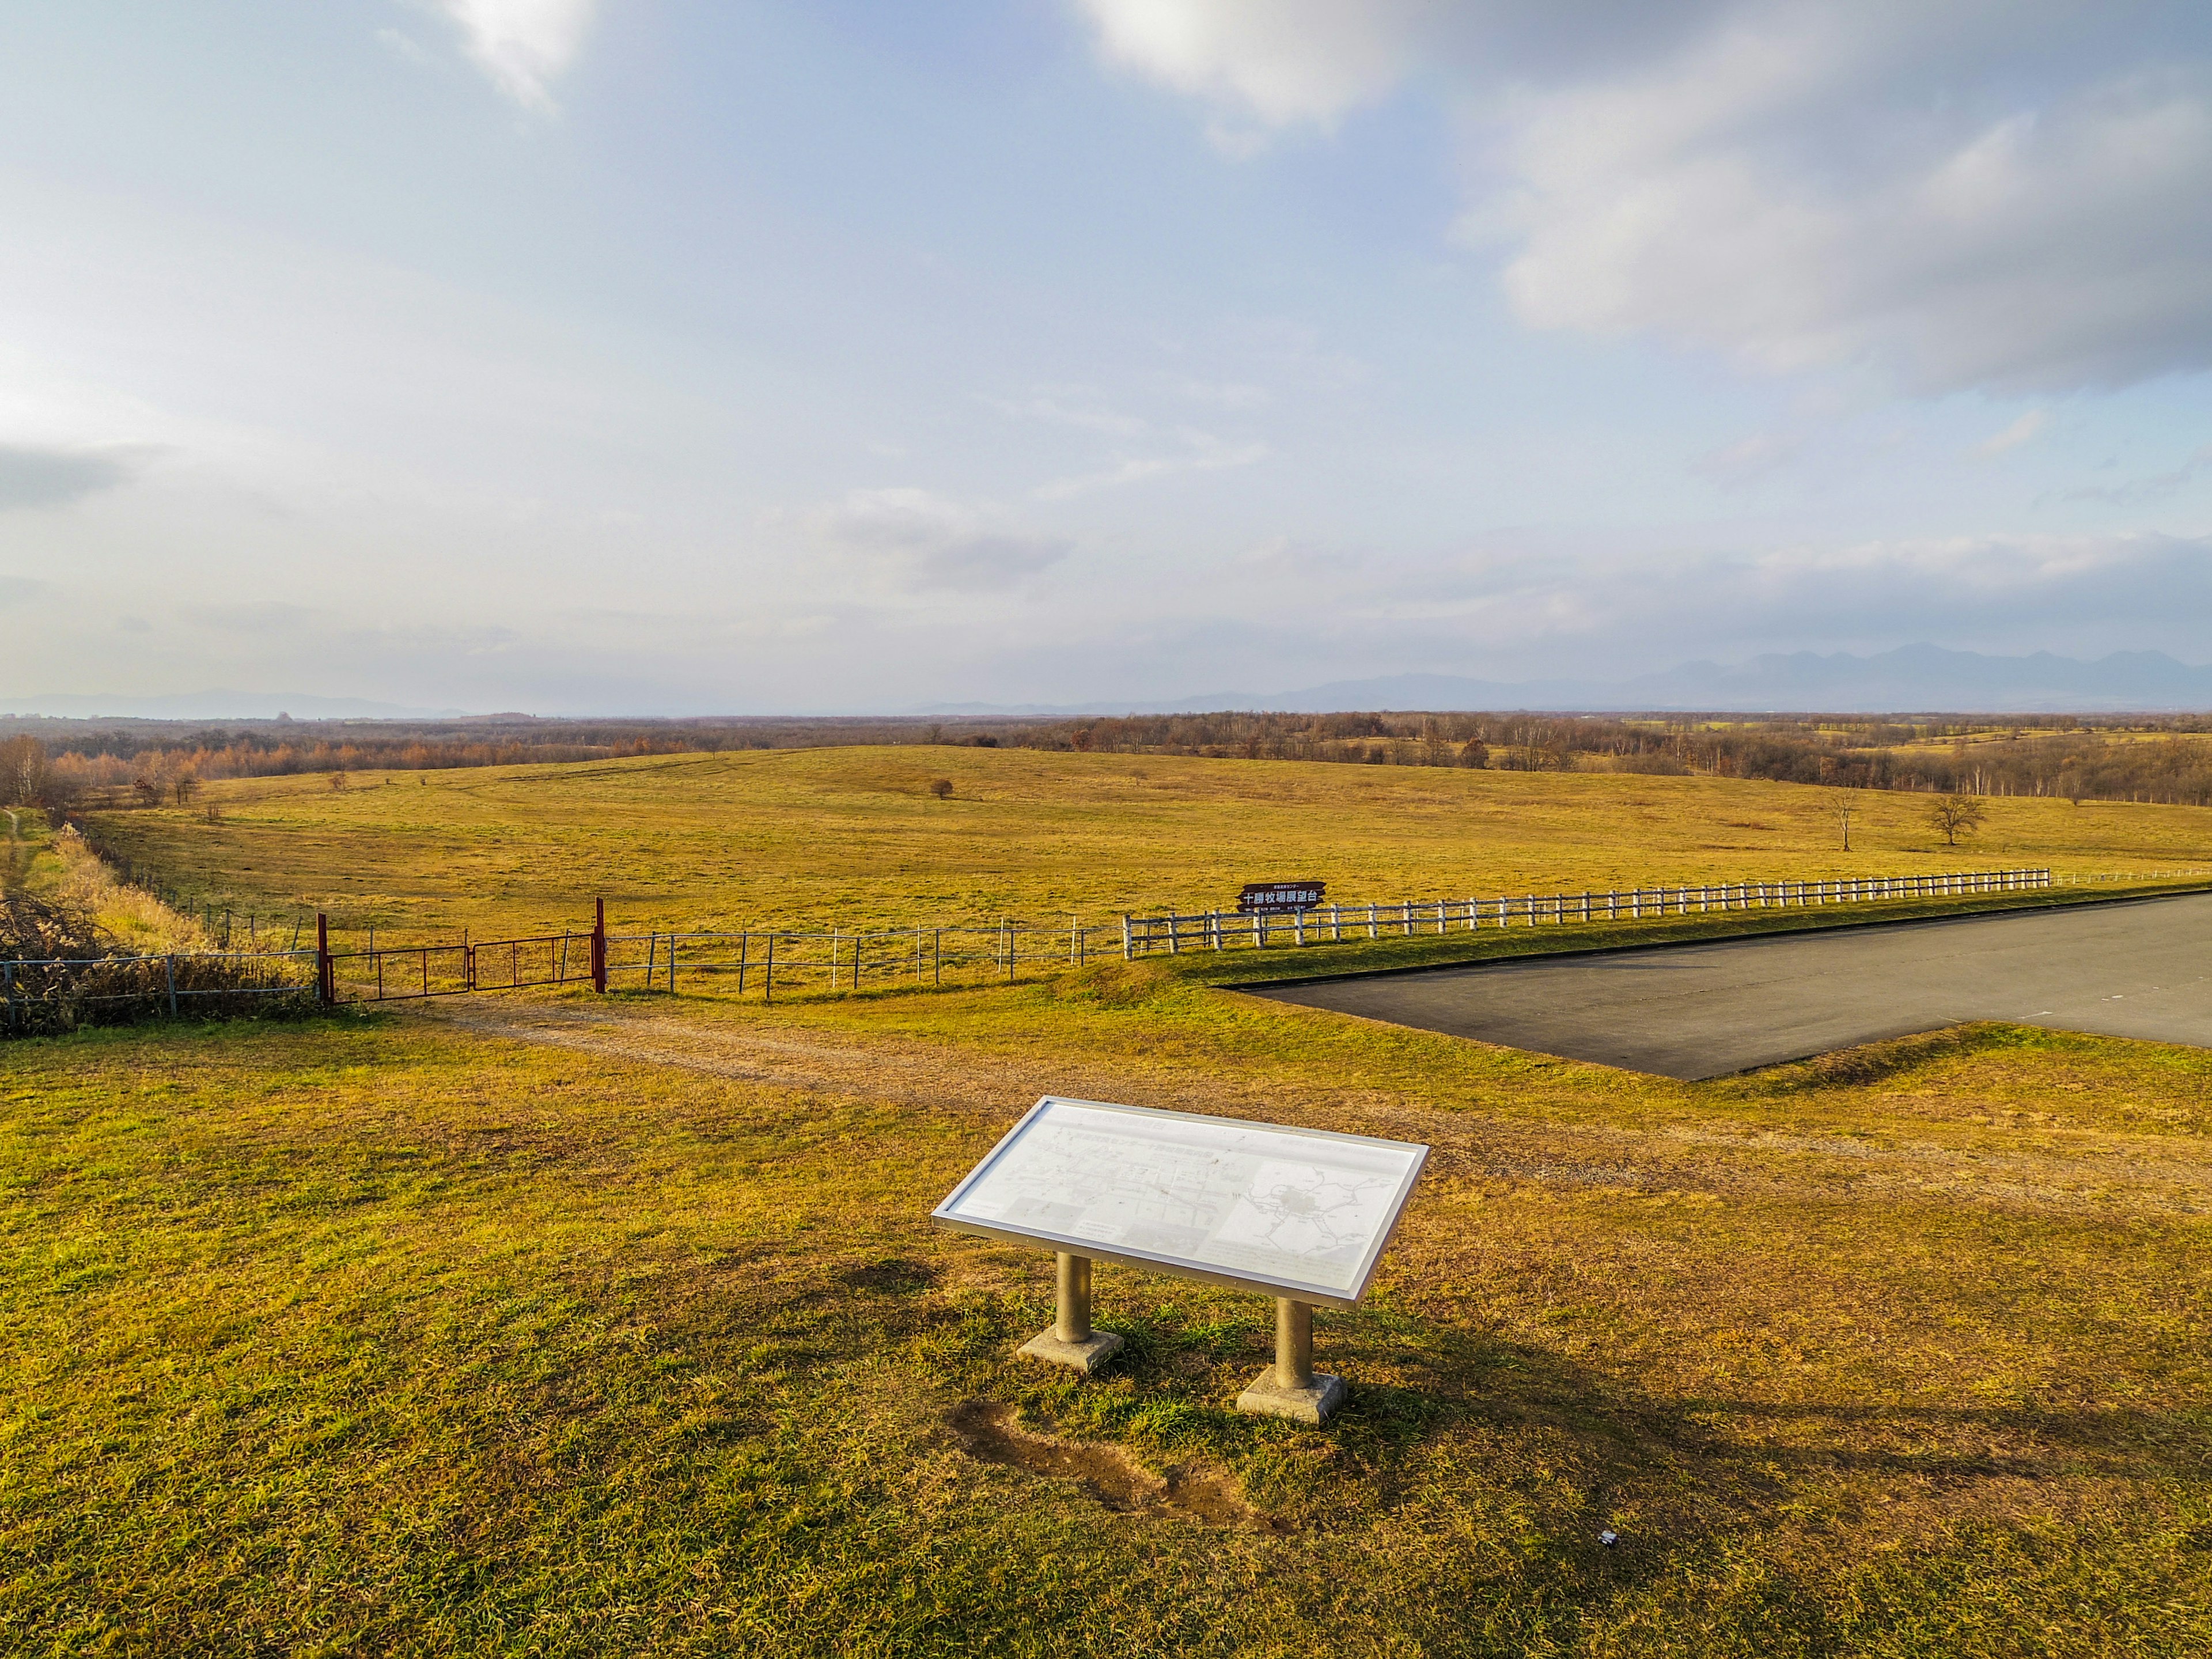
(1289,1212)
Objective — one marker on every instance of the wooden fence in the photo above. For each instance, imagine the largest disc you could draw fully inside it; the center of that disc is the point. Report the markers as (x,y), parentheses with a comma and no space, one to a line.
(1220,929)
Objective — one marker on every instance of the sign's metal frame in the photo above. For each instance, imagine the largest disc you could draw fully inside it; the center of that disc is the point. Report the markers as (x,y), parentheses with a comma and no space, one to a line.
(1068,1243)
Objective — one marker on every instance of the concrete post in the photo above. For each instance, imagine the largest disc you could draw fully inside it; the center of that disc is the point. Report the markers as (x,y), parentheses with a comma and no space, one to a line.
(1071,1341)
(1291,1387)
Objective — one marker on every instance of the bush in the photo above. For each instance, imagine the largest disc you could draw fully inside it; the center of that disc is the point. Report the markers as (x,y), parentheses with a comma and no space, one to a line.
(79,976)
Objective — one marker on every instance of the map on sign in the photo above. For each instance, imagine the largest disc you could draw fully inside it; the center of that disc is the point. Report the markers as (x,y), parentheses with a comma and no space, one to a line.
(1295,1213)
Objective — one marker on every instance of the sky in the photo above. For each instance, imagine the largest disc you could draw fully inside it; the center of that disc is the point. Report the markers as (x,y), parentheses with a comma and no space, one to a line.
(600,357)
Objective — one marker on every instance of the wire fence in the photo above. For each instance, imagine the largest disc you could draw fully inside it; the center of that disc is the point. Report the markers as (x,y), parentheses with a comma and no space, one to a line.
(44,995)
(763,963)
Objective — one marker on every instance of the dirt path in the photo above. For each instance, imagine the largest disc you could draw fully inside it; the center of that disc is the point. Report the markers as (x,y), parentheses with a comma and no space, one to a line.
(2109,1173)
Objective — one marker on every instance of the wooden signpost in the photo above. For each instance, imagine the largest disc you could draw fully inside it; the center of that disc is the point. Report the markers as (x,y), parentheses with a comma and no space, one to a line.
(1300,1215)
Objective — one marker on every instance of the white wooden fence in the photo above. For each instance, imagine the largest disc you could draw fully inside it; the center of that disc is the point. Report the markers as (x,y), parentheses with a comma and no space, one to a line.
(1219,930)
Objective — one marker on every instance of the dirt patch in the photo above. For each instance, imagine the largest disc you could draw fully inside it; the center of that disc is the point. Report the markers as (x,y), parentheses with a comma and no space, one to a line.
(987,1431)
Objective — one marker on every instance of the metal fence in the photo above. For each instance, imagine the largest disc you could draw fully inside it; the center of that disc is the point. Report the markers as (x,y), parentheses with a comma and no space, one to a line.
(1221,930)
(752,963)
(52,994)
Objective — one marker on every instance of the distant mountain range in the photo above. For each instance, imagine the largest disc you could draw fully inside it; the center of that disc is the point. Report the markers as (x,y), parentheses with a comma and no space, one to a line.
(1914,678)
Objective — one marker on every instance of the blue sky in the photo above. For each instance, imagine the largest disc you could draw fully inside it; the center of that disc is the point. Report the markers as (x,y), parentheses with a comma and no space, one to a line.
(652,357)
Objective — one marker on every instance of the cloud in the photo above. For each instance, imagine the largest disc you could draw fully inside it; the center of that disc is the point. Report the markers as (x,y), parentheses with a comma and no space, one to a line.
(254,617)
(522,45)
(1739,464)
(34,477)
(925,541)
(1972,195)
(20,590)
(2153,487)
(1201,451)
(1280,61)
(2022,431)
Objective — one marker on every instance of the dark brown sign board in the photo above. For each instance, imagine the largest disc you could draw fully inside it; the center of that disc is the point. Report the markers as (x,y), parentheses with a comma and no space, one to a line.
(1280,897)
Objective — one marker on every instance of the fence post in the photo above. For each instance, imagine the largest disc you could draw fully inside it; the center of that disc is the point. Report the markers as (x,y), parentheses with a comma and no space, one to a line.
(768,979)
(600,945)
(1128,949)
(169,967)
(743,940)
(325,980)
(9,982)
(1011,948)
(937,952)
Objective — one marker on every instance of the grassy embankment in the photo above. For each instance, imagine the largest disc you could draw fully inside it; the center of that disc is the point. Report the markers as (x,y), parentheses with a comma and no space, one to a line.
(610,1327)
(854,837)
(58,867)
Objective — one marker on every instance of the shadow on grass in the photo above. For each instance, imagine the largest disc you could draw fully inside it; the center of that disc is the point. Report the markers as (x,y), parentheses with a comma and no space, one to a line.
(1542,1424)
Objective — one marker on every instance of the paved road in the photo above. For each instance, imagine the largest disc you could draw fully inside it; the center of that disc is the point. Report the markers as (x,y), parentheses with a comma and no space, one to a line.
(2140,969)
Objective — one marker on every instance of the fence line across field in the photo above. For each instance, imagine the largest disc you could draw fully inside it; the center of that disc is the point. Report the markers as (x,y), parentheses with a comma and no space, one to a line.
(765,961)
(31,985)
(1220,929)
(753,961)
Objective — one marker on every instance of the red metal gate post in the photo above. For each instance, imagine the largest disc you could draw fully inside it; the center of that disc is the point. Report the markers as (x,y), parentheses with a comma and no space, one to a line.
(327,988)
(599,946)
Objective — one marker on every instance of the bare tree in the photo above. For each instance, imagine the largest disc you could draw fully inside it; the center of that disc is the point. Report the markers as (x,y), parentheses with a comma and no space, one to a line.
(1955,815)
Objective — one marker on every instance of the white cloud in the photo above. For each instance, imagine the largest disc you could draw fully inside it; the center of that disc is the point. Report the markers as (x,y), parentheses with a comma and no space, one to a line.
(1199,451)
(1280,61)
(920,540)
(523,46)
(2023,430)
(1738,464)
(1965,195)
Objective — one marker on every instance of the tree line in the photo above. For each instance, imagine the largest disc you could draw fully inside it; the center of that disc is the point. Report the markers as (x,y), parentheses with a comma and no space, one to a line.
(2088,758)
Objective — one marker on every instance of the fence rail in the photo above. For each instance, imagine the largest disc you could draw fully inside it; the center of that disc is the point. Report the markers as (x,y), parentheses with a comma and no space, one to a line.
(47,994)
(42,994)
(1221,930)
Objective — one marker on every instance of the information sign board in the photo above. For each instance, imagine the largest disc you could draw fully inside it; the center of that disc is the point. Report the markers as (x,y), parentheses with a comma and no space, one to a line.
(1280,897)
(1300,1214)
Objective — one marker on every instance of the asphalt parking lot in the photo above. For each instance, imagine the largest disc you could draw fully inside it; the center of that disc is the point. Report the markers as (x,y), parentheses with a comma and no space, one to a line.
(2140,968)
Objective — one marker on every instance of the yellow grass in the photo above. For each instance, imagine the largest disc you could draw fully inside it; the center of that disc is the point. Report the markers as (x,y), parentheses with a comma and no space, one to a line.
(63,871)
(797,838)
(609,1326)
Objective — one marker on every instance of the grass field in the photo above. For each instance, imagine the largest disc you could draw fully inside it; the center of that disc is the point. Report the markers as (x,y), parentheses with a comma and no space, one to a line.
(806,838)
(558,1324)
(575,1326)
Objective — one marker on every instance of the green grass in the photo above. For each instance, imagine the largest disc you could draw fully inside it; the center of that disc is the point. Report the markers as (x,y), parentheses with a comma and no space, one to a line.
(852,836)
(617,1327)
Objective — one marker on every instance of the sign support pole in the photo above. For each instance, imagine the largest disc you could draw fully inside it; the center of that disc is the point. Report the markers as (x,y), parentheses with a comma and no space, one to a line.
(1071,1341)
(1290,1387)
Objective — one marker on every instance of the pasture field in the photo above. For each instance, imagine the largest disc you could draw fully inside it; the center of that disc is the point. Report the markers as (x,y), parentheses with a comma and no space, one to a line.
(807,838)
(568,1325)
